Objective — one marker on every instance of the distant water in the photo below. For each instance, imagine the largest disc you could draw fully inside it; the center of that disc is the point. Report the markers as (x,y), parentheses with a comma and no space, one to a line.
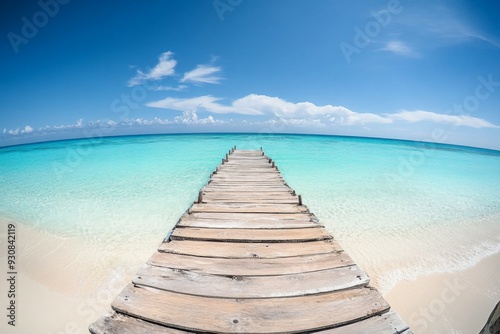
(401,209)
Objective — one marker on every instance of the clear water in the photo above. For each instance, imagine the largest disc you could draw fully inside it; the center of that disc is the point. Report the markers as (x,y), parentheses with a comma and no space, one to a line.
(401,209)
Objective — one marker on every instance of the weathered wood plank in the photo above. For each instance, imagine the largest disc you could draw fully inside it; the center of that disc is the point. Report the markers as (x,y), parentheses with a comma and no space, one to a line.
(245,170)
(270,217)
(275,177)
(389,323)
(237,174)
(244,183)
(251,235)
(245,224)
(257,195)
(265,315)
(116,323)
(222,195)
(230,286)
(248,208)
(252,200)
(234,250)
(243,189)
(251,266)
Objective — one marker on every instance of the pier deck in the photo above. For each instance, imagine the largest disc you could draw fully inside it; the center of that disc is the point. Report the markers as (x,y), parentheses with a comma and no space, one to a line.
(248,257)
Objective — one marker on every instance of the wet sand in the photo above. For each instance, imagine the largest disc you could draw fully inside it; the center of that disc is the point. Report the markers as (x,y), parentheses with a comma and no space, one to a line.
(457,302)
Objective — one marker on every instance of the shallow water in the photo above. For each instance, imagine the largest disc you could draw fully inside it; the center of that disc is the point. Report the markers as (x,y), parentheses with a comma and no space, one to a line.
(401,209)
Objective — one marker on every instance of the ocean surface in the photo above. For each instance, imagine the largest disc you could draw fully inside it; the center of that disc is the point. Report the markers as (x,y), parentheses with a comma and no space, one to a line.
(401,209)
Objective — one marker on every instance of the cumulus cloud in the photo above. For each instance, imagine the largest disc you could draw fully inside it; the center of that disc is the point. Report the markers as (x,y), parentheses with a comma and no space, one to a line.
(459,120)
(165,67)
(190,117)
(310,113)
(255,104)
(203,74)
(206,102)
(19,131)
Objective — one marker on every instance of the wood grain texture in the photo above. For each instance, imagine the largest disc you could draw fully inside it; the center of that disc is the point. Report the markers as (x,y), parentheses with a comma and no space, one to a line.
(251,266)
(274,217)
(235,250)
(248,208)
(116,323)
(388,322)
(234,286)
(266,315)
(251,235)
(247,224)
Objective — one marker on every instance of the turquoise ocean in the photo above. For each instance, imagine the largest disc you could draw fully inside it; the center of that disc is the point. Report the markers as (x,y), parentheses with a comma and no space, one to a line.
(401,209)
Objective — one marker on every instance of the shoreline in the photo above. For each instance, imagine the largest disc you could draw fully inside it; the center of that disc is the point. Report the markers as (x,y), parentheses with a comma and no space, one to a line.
(66,283)
(457,302)
(63,283)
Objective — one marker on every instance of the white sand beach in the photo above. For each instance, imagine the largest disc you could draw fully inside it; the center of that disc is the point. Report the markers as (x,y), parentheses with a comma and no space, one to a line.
(65,284)
(458,302)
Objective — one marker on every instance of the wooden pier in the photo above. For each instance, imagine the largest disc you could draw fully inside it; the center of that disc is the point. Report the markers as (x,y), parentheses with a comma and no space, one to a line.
(249,257)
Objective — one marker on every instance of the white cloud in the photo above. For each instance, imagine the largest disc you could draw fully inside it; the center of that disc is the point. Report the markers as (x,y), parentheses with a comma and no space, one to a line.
(442,23)
(206,102)
(203,74)
(254,104)
(190,117)
(165,67)
(459,120)
(170,88)
(19,131)
(399,48)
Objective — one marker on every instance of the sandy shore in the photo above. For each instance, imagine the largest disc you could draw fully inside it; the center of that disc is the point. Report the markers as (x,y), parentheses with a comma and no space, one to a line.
(64,284)
(457,302)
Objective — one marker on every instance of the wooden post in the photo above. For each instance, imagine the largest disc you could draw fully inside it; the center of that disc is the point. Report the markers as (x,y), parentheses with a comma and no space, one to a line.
(273,164)
(227,157)
(262,153)
(270,160)
(293,193)
(200,197)
(223,160)
(300,200)
(261,148)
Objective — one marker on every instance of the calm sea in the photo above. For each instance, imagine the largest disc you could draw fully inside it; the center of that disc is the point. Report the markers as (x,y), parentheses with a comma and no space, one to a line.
(401,209)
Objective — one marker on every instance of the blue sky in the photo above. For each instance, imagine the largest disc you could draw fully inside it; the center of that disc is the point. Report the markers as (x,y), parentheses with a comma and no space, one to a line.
(419,70)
